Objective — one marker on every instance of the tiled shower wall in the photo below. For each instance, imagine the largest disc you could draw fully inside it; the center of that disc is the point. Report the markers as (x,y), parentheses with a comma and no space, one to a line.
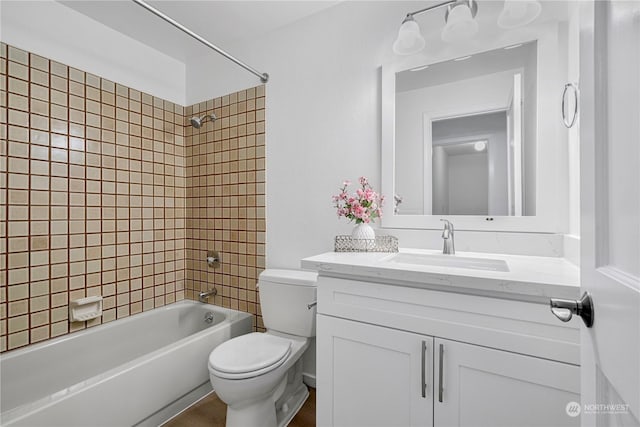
(105,190)
(226,199)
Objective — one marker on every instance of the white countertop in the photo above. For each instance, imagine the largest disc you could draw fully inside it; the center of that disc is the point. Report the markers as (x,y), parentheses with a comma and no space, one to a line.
(530,278)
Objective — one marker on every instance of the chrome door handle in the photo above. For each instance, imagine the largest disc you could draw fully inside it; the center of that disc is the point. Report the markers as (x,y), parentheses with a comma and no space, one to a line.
(564,309)
(440,375)
(424,369)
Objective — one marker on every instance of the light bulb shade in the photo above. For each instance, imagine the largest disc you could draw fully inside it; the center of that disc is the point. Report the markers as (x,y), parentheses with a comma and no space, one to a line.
(518,13)
(460,24)
(409,39)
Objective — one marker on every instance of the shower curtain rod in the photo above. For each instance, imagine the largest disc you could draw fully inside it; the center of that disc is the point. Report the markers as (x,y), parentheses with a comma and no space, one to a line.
(264,77)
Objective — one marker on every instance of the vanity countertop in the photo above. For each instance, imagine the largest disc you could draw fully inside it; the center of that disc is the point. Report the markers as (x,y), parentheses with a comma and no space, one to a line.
(530,278)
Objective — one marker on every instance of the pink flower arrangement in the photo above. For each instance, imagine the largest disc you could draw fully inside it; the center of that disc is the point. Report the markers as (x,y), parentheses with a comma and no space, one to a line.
(363,206)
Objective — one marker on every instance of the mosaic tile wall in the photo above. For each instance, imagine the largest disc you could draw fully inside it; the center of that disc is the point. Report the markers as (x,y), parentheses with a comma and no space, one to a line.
(92,196)
(225,203)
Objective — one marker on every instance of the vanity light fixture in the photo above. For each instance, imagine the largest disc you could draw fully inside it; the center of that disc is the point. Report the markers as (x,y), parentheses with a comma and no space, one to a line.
(459,25)
(517,13)
(409,39)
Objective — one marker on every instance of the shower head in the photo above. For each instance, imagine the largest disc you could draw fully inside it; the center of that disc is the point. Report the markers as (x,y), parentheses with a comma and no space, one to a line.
(196,122)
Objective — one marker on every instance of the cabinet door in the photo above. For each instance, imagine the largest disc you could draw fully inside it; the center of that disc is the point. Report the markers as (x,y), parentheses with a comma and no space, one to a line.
(372,376)
(479,386)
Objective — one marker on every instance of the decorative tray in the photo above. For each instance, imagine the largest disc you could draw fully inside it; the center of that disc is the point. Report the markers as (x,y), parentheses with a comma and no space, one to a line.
(379,244)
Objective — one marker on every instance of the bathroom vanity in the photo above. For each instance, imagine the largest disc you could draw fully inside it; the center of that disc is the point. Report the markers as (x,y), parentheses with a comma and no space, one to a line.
(421,338)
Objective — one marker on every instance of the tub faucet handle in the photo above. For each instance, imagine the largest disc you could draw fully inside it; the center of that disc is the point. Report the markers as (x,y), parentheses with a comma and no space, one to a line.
(213,259)
(204,296)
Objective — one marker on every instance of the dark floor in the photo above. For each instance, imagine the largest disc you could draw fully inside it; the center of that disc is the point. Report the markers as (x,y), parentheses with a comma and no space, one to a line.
(211,412)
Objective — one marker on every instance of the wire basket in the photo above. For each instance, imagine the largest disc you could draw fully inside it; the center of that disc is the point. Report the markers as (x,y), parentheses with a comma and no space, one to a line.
(379,244)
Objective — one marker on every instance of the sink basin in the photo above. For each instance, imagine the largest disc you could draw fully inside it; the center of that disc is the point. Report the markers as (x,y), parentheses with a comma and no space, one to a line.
(449,261)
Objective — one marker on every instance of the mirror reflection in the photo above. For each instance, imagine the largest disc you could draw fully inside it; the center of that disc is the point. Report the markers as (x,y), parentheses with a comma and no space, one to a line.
(465,135)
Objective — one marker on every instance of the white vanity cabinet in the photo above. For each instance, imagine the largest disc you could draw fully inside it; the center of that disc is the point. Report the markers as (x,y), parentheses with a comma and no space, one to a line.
(391,355)
(372,376)
(488,387)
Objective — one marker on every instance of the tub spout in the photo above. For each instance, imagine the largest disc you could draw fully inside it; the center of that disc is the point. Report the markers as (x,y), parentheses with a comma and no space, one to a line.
(204,296)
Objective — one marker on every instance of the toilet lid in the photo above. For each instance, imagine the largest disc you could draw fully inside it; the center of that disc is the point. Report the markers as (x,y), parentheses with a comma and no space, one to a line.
(249,355)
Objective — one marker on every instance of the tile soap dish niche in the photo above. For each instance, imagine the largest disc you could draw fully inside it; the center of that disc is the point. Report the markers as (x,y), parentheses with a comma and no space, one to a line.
(83,309)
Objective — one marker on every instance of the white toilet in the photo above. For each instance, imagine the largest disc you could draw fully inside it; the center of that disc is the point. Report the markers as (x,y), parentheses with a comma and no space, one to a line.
(259,375)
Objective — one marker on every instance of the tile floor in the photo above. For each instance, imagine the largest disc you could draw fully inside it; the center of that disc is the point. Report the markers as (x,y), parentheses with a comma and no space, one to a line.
(211,412)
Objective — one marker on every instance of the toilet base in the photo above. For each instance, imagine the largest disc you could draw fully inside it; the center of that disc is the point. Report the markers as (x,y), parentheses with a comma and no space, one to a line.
(288,409)
(264,413)
(258,414)
(276,409)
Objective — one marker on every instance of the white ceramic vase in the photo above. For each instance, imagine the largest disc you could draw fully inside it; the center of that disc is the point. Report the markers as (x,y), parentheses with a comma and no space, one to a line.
(363,236)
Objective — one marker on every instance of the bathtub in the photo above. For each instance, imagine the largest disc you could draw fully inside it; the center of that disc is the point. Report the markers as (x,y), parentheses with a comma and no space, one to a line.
(140,370)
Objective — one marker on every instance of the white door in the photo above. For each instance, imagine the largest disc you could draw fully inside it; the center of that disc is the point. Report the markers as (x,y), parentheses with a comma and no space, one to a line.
(610,211)
(372,376)
(479,386)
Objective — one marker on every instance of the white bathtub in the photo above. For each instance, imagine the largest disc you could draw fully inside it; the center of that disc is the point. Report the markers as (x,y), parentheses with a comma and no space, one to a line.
(140,370)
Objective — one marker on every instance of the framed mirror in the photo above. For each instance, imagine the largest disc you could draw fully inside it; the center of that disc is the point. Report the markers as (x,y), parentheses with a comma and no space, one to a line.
(473,132)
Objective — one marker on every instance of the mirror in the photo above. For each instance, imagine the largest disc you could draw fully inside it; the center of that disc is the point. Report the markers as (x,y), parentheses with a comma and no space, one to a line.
(473,131)
(465,134)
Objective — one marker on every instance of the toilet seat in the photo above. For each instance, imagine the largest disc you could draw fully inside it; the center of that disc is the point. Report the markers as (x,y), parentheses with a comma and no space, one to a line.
(249,355)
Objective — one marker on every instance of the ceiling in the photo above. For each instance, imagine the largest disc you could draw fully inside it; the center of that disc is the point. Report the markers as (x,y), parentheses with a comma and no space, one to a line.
(220,22)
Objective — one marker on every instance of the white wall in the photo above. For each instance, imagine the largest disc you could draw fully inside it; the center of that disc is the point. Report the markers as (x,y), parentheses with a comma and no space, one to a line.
(52,30)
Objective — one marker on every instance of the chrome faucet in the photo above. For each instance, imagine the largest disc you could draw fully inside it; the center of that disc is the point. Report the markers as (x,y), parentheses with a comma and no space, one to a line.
(447,234)
(204,296)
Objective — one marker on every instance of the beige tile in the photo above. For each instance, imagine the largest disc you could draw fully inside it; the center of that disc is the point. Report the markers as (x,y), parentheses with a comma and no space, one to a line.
(76,75)
(18,340)
(39,62)
(40,334)
(59,328)
(17,324)
(18,70)
(19,87)
(59,69)
(39,77)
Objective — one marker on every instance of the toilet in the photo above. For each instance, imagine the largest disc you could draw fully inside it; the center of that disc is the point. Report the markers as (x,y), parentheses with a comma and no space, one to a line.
(259,375)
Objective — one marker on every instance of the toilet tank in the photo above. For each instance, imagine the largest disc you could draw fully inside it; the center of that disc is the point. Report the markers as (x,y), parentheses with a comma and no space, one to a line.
(284,296)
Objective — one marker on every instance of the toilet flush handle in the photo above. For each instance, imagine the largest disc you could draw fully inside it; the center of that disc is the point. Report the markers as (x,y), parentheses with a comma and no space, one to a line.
(313,304)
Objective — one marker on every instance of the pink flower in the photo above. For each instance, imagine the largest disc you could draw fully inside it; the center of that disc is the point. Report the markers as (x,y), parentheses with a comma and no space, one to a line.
(363,206)
(370,195)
